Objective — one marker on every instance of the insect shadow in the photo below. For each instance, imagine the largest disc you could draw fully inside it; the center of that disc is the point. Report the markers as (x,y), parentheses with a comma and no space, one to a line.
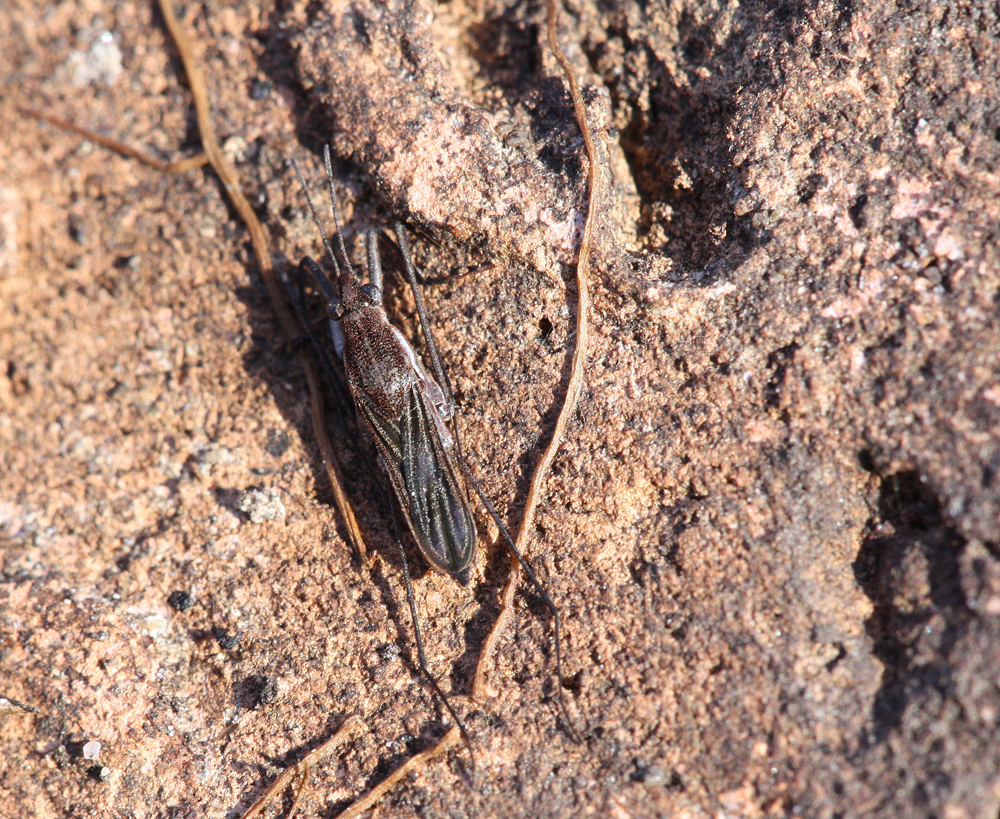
(404,411)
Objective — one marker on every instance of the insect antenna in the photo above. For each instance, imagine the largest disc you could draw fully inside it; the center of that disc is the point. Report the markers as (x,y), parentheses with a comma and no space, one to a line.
(336,212)
(321,279)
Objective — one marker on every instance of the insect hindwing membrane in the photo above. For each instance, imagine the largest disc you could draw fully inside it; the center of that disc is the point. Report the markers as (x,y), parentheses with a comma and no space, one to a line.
(425,480)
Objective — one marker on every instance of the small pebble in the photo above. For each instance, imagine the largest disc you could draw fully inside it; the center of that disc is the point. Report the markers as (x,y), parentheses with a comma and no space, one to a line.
(181,601)
(226,640)
(261,504)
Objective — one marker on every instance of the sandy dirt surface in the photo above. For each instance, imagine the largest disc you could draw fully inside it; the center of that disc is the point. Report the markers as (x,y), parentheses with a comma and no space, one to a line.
(773,531)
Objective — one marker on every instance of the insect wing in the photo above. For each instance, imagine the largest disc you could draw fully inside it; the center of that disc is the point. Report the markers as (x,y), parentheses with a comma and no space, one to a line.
(425,481)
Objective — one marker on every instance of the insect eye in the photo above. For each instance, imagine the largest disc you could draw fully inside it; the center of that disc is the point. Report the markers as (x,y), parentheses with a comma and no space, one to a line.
(372,293)
(333,310)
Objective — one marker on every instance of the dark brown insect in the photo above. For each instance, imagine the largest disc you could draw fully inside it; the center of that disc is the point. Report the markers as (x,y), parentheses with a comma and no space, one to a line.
(405,411)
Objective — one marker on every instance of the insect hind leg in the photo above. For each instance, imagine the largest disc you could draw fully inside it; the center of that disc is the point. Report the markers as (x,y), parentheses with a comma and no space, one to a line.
(421,659)
(411,275)
(533,579)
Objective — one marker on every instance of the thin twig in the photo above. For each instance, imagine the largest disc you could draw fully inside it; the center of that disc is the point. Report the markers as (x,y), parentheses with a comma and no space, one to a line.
(302,768)
(286,317)
(213,155)
(576,373)
(366,802)
(11,706)
(288,323)
(180,166)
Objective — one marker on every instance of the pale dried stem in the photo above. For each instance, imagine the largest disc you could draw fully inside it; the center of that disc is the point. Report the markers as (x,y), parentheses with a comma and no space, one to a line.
(302,768)
(290,326)
(213,154)
(230,181)
(577,371)
(287,319)
(367,801)
(180,166)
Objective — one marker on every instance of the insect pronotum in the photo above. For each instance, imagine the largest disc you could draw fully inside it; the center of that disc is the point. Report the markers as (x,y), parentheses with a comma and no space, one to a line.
(405,412)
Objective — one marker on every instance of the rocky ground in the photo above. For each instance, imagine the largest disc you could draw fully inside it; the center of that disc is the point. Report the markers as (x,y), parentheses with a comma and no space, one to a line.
(773,530)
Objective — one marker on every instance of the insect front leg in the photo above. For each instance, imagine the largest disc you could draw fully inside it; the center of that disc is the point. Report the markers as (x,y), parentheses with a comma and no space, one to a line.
(434,390)
(374,260)
(448,404)
(297,296)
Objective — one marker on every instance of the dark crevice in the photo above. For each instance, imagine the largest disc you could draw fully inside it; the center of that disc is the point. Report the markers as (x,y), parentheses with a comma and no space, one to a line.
(695,204)
(909,567)
(778,363)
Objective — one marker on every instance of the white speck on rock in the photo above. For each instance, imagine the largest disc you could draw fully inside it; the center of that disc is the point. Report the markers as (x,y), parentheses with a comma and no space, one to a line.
(261,504)
(101,63)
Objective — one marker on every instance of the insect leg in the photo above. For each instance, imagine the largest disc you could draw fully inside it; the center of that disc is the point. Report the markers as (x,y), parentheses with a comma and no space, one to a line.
(320,277)
(530,572)
(421,659)
(411,275)
(297,297)
(374,261)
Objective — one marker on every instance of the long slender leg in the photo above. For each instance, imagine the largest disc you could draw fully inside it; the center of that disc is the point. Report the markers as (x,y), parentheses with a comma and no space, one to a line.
(411,274)
(297,300)
(307,264)
(374,261)
(421,659)
(530,572)
(320,277)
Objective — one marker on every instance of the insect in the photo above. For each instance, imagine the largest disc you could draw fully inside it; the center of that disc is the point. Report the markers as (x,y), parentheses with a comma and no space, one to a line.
(405,412)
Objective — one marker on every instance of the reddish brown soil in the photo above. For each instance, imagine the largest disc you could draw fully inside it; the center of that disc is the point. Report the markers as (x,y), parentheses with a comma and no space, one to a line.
(773,531)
